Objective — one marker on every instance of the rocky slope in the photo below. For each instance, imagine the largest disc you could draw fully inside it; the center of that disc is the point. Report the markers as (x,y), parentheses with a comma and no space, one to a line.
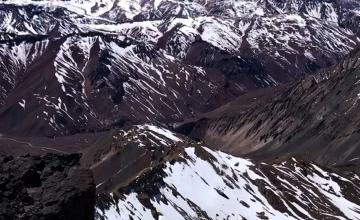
(47,187)
(317,117)
(186,180)
(62,62)
(87,76)
(149,172)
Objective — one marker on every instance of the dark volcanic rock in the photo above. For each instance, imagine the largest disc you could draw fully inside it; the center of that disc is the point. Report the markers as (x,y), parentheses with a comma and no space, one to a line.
(47,187)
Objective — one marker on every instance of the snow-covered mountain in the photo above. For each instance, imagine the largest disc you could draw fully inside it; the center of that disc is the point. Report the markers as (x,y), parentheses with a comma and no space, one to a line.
(108,78)
(186,180)
(69,66)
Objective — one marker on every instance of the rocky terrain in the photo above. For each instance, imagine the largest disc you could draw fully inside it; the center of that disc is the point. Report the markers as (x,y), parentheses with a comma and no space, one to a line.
(179,109)
(47,187)
(62,62)
(186,180)
(148,172)
(317,117)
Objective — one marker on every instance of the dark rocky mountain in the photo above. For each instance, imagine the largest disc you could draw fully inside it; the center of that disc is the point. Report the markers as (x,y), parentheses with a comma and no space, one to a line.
(317,117)
(261,97)
(70,66)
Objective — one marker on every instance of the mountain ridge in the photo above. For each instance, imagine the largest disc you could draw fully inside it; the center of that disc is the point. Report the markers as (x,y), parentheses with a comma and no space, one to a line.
(248,50)
(191,109)
(315,116)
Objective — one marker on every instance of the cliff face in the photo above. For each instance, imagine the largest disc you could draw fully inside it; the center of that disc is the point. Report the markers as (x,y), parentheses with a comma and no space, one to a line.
(46,187)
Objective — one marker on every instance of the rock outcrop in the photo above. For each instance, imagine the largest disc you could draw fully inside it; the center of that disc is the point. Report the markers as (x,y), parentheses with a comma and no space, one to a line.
(45,187)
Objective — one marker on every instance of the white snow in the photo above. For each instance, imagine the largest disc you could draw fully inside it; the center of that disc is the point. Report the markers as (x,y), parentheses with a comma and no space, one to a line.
(130,206)
(22,103)
(86,7)
(220,187)
(157,4)
(163,132)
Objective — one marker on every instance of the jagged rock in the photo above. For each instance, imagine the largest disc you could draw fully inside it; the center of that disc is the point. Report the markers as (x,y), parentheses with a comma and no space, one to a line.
(45,187)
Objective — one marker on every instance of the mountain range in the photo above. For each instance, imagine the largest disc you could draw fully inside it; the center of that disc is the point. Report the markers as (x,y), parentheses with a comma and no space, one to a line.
(180,109)
(155,60)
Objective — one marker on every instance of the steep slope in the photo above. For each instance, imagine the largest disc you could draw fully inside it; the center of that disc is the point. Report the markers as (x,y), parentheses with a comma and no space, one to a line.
(87,76)
(77,65)
(317,117)
(189,181)
(149,172)
(62,86)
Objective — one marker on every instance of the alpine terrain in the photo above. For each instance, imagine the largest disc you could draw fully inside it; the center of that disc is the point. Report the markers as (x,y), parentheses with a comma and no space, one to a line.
(179,109)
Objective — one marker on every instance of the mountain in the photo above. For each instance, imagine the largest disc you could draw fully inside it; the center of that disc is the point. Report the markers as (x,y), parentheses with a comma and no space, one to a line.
(186,180)
(148,172)
(187,109)
(316,117)
(74,66)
